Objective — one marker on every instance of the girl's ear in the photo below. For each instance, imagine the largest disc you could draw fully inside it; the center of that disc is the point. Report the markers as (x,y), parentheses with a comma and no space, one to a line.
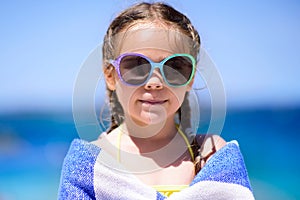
(109,73)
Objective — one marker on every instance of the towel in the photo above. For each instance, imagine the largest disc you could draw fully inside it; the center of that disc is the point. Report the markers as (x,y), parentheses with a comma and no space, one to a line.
(86,176)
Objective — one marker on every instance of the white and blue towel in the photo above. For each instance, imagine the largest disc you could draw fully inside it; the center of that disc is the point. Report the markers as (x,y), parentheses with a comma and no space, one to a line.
(84,176)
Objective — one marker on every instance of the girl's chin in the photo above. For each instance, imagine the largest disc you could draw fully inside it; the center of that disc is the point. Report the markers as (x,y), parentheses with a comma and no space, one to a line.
(150,119)
(145,116)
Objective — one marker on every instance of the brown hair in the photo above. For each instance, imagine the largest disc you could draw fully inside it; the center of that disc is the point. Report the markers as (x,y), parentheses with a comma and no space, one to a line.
(167,15)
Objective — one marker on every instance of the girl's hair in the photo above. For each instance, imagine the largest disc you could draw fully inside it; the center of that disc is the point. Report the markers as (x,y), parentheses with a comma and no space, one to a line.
(142,12)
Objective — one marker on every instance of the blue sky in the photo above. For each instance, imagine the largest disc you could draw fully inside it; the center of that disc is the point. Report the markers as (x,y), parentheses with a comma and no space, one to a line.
(255,45)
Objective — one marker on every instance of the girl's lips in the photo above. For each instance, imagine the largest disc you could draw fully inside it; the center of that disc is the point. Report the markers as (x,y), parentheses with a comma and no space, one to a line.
(153,102)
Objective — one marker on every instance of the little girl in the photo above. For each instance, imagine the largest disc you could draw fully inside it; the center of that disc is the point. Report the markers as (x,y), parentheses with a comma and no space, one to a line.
(150,55)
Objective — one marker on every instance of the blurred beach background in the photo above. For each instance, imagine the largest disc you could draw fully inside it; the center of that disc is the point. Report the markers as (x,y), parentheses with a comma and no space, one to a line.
(255,46)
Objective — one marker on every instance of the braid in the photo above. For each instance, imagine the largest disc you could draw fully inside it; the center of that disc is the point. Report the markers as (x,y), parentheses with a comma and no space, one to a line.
(184,113)
(197,149)
(117,113)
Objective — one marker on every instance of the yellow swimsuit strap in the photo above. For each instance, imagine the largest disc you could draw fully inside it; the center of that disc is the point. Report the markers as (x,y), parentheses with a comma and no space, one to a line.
(187,142)
(167,190)
(179,131)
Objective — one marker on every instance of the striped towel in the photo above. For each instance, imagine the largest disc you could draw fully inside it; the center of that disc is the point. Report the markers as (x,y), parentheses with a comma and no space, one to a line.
(84,176)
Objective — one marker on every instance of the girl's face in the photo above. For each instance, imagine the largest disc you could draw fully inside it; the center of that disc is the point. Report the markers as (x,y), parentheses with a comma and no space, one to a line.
(155,101)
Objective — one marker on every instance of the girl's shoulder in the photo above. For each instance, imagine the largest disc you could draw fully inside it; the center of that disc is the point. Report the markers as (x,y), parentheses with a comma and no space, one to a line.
(111,138)
(210,141)
(207,145)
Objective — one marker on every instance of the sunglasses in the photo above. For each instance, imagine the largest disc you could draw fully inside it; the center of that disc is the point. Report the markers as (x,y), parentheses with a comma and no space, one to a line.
(136,69)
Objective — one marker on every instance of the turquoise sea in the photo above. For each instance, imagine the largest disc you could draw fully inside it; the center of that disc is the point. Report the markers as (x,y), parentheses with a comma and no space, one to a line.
(33,145)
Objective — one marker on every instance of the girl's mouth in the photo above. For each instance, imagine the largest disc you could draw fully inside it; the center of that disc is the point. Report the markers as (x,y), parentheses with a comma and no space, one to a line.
(153,102)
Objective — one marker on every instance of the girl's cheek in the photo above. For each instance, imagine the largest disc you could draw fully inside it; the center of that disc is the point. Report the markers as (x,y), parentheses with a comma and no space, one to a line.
(179,93)
(125,94)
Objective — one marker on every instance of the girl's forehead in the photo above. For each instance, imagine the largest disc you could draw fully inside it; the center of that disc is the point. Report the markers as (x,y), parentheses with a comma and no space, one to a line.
(140,38)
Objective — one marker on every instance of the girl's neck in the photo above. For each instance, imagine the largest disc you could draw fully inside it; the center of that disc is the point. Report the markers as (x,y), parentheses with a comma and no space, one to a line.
(149,137)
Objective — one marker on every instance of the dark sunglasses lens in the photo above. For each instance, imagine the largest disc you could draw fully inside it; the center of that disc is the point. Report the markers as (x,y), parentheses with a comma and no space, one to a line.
(134,70)
(178,70)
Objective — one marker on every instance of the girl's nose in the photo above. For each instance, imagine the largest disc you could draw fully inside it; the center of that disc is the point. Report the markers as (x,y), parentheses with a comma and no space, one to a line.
(155,82)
